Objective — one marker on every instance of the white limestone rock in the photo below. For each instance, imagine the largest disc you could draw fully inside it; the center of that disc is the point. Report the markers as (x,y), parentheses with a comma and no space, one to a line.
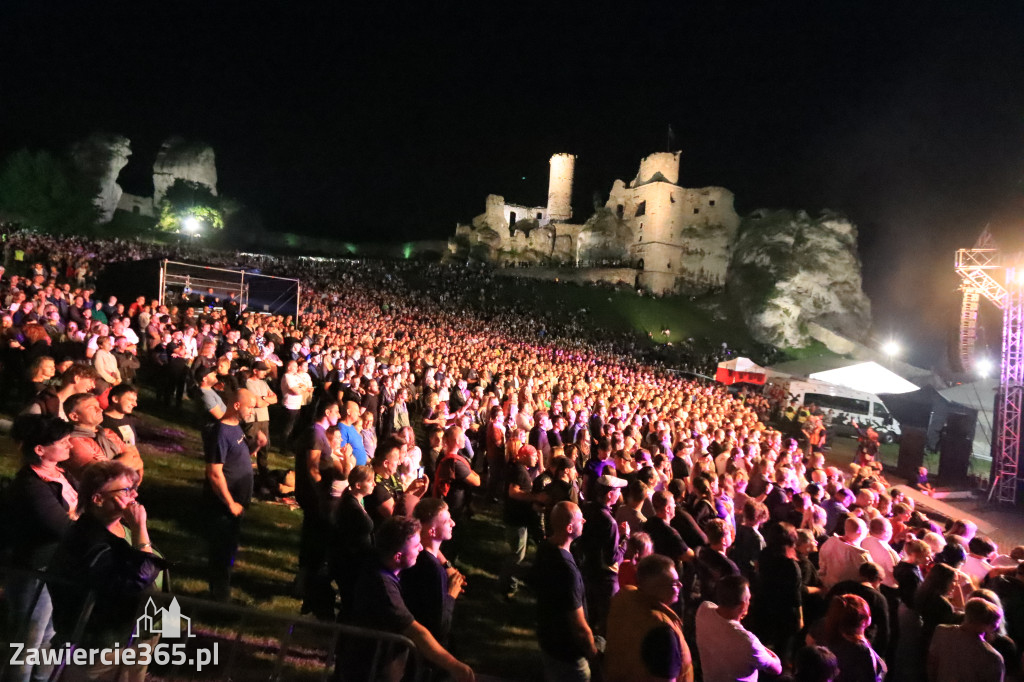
(186,160)
(101,157)
(604,237)
(789,269)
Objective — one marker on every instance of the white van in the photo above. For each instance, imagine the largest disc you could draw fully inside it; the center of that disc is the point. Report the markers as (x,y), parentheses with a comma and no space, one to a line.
(843,406)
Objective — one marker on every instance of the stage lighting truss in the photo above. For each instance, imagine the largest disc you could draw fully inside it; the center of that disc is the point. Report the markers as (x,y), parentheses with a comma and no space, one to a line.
(979,269)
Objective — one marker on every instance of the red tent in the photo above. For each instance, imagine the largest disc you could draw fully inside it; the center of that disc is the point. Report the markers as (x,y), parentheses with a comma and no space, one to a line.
(740,371)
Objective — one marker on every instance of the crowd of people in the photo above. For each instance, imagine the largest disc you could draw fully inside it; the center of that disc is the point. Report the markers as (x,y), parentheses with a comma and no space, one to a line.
(678,534)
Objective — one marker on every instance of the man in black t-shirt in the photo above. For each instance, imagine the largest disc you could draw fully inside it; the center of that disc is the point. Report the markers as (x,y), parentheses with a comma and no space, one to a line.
(228,488)
(666,540)
(712,564)
(454,481)
(379,605)
(601,546)
(118,416)
(520,518)
(431,587)
(318,597)
(566,641)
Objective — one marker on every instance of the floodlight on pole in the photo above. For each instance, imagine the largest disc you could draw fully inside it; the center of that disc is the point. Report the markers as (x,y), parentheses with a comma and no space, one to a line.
(191,224)
(891,348)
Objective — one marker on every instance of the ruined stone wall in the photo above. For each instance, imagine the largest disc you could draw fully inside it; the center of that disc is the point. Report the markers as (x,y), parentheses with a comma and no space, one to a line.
(523,213)
(616,276)
(664,163)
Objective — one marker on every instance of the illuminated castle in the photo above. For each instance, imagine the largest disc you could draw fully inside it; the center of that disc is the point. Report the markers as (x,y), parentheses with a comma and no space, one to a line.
(674,237)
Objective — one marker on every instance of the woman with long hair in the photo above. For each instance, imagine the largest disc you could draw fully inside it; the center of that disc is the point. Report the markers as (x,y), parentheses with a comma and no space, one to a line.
(933,601)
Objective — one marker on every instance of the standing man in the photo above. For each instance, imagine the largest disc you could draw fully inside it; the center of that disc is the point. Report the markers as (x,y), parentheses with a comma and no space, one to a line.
(228,488)
(566,641)
(379,605)
(432,585)
(602,545)
(840,556)
(317,595)
(454,482)
(520,516)
(350,435)
(645,636)
(260,422)
(728,651)
(960,652)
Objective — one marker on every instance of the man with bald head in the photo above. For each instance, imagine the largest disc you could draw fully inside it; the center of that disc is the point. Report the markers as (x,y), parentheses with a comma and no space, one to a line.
(840,556)
(566,640)
(228,486)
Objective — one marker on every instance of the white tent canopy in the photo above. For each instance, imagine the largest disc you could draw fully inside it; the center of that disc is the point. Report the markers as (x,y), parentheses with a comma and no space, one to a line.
(869,377)
(742,365)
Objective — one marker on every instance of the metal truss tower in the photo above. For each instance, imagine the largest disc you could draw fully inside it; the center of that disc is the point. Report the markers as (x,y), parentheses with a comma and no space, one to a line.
(978,267)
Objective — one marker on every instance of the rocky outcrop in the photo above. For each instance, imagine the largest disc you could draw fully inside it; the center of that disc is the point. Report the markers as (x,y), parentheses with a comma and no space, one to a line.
(186,160)
(101,157)
(789,269)
(604,237)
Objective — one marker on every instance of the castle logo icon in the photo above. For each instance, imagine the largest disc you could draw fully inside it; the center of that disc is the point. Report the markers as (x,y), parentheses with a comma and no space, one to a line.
(167,622)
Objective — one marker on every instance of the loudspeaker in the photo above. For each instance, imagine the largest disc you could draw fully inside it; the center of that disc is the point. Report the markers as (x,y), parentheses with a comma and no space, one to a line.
(955,442)
(912,442)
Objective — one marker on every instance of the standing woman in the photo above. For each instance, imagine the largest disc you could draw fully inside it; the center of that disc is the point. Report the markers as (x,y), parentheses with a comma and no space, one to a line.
(351,540)
(45,503)
(933,602)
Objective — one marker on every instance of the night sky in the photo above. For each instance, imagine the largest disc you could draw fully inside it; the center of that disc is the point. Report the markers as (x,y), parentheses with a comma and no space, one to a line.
(397,119)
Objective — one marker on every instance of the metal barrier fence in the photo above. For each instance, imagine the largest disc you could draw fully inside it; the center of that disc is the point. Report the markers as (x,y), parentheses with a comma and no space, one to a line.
(186,638)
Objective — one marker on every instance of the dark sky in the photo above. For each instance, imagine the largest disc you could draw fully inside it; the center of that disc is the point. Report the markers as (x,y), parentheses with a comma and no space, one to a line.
(397,119)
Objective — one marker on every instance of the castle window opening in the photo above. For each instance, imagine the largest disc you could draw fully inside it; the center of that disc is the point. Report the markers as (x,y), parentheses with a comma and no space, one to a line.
(711,203)
(641,209)
(539,216)
(671,198)
(618,211)
(696,211)
(640,264)
(511,218)
(669,265)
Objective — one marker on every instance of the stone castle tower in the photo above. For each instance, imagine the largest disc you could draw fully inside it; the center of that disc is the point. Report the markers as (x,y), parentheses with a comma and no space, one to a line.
(560,187)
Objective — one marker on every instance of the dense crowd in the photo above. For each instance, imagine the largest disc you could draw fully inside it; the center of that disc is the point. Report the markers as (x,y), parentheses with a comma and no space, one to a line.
(678,534)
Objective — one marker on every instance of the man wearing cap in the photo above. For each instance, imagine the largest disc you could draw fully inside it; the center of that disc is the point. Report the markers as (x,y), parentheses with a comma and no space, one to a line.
(260,418)
(602,545)
(520,516)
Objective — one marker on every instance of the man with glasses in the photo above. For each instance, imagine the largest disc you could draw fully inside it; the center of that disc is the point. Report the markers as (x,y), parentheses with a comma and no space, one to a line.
(644,633)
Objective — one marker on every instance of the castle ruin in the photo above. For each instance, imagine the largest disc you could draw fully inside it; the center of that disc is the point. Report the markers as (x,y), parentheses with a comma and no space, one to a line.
(676,238)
